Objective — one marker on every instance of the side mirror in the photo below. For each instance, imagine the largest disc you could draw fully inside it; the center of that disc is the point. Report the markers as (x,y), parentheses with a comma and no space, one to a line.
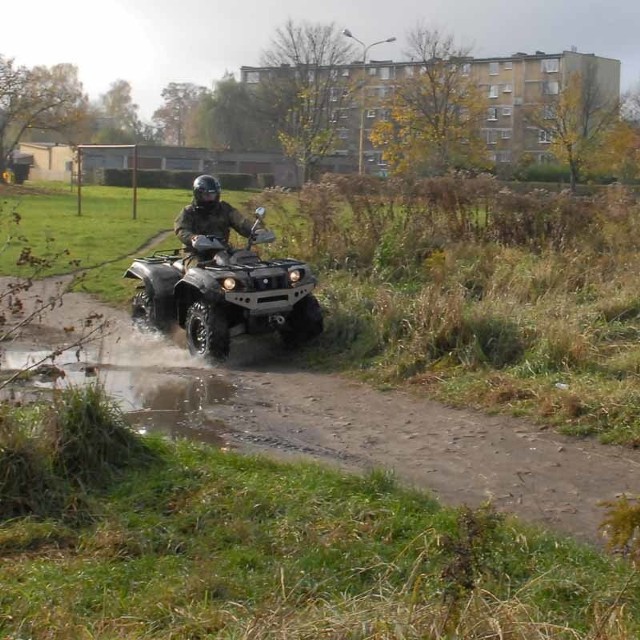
(261,212)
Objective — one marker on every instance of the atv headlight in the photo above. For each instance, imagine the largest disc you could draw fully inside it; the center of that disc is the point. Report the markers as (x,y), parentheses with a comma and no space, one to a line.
(294,276)
(228,284)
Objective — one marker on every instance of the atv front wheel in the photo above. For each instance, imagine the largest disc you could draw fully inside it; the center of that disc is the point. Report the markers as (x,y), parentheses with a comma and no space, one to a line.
(207,331)
(303,323)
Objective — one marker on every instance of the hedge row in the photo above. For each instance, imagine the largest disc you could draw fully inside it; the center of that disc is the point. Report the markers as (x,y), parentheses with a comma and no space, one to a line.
(175,179)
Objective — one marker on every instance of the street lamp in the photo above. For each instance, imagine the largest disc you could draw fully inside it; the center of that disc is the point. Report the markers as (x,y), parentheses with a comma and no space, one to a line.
(365,50)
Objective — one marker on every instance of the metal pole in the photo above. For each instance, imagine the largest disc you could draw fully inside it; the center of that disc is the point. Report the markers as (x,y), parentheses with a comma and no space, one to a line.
(363,101)
(134,181)
(363,98)
(79,181)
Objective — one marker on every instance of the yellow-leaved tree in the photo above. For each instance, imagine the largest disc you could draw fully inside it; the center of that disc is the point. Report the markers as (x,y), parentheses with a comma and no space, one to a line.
(577,119)
(435,112)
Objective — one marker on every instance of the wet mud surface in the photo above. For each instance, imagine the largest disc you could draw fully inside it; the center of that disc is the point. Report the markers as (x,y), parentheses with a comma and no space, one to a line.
(261,402)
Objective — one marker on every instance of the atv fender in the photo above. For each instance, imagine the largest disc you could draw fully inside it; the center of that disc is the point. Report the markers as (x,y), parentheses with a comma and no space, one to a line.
(159,278)
(197,284)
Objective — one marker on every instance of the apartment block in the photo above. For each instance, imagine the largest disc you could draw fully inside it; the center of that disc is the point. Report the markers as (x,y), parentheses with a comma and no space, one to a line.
(512,87)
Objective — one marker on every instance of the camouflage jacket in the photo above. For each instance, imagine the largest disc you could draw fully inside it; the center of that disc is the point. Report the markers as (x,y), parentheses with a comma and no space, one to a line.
(217,221)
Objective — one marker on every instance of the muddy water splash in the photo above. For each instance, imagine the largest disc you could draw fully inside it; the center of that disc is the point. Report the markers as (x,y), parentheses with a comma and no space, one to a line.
(159,386)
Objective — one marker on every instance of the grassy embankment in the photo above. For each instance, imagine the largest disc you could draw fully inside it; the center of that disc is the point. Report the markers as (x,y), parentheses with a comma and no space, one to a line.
(467,300)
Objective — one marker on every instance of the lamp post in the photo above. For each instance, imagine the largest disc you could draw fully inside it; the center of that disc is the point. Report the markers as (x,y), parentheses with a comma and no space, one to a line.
(365,50)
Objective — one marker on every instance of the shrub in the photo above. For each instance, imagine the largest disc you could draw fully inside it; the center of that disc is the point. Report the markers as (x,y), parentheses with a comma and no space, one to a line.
(91,438)
(544,173)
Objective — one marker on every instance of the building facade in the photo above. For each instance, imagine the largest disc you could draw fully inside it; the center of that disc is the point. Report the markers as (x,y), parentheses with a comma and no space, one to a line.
(512,86)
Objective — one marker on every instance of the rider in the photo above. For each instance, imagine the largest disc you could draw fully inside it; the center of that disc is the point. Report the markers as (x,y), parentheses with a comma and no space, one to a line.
(209,216)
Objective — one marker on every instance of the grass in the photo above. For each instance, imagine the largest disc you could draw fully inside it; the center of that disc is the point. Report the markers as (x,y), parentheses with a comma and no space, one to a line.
(205,543)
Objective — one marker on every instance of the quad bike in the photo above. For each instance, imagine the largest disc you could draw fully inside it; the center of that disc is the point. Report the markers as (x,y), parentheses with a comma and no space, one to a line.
(229,293)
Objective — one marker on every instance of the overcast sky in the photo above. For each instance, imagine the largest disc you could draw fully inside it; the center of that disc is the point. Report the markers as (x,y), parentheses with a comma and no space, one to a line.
(151,43)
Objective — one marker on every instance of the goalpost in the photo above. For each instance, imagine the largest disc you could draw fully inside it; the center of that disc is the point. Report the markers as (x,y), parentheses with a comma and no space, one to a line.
(134,176)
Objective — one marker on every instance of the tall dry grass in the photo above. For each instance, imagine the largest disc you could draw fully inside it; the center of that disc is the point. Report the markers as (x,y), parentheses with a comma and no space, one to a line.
(461,276)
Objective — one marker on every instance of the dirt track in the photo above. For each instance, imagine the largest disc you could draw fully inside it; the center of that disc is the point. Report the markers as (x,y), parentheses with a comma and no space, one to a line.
(266,404)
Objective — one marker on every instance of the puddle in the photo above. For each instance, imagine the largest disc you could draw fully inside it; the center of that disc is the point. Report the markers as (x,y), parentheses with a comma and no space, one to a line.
(170,400)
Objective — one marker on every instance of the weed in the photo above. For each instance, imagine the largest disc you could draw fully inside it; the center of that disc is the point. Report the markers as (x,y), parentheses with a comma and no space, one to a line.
(27,482)
(90,437)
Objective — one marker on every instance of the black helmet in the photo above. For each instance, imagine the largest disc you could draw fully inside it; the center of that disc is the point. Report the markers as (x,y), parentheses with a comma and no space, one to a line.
(206,185)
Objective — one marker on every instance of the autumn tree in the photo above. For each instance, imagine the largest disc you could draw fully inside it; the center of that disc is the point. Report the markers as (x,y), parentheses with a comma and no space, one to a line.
(618,154)
(175,117)
(576,120)
(46,98)
(227,119)
(304,91)
(115,118)
(434,114)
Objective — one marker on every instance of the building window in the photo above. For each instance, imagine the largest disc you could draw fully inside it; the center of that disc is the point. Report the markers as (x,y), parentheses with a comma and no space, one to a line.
(333,94)
(253,77)
(372,71)
(506,111)
(545,137)
(466,68)
(408,71)
(385,73)
(345,73)
(503,156)
(494,68)
(371,113)
(385,115)
(492,113)
(507,65)
(493,91)
(507,88)
(505,134)
(550,66)
(548,112)
(343,134)
(550,88)
(490,136)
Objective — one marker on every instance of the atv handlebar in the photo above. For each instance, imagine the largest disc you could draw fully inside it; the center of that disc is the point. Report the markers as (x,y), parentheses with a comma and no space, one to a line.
(256,236)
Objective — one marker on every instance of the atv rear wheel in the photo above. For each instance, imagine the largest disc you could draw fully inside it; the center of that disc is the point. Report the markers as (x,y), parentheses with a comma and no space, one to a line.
(144,312)
(303,323)
(207,331)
